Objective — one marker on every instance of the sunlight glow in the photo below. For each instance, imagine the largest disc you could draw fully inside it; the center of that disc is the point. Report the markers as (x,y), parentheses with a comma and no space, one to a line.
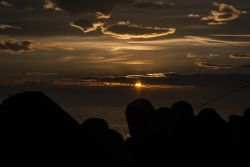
(138,84)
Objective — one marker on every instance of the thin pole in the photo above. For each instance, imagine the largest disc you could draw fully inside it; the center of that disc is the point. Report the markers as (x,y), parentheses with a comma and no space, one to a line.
(222,96)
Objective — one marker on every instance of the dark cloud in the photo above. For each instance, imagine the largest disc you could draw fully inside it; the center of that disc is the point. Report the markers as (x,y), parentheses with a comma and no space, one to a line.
(5,4)
(214,66)
(88,6)
(154,5)
(127,30)
(26,4)
(16,46)
(240,56)
(153,80)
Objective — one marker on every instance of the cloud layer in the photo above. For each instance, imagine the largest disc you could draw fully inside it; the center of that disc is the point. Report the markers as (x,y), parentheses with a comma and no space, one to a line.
(240,56)
(88,6)
(214,66)
(153,5)
(16,46)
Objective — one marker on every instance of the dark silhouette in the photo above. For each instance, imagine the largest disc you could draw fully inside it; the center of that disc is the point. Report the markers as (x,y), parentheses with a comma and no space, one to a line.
(162,121)
(139,114)
(31,122)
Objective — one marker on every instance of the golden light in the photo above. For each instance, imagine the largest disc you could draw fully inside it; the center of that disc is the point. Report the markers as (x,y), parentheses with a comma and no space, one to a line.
(138,84)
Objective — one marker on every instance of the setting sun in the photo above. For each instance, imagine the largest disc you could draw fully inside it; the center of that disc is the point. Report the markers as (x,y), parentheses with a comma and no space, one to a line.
(138,84)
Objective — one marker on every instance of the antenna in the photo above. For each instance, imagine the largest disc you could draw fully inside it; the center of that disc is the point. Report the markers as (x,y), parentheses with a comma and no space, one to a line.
(222,96)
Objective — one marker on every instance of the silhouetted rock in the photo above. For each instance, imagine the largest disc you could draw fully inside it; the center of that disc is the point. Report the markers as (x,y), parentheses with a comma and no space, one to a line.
(31,120)
(183,111)
(245,134)
(95,125)
(139,115)
(104,146)
(162,122)
(213,136)
(33,123)
(183,122)
(212,126)
(235,123)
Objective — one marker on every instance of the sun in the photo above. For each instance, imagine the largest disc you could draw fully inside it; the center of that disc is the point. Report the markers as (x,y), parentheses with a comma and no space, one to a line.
(138,85)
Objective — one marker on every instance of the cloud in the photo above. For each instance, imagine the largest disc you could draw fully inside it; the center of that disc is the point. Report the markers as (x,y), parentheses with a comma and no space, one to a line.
(136,62)
(88,6)
(40,74)
(122,29)
(191,55)
(86,25)
(113,84)
(5,4)
(127,30)
(27,4)
(154,81)
(224,14)
(194,41)
(6,26)
(150,75)
(217,23)
(157,5)
(16,46)
(192,15)
(214,66)
(49,5)
(213,55)
(240,56)
(232,35)
(90,83)
(100,15)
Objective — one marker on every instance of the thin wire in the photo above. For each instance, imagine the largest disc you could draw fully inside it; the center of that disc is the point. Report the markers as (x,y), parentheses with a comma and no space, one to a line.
(222,96)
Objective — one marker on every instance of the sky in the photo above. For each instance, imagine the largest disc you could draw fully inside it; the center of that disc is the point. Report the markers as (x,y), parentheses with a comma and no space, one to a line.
(89,54)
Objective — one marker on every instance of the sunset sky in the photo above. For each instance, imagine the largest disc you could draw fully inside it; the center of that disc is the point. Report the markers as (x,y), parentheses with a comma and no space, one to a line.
(90,53)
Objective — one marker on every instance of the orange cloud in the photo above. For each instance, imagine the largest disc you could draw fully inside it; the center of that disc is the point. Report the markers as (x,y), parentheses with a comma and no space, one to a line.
(127,30)
(224,14)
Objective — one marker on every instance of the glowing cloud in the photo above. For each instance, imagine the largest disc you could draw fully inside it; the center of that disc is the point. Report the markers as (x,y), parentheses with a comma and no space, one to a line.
(224,14)
(6,26)
(100,15)
(49,5)
(151,75)
(127,30)
(192,15)
(86,25)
